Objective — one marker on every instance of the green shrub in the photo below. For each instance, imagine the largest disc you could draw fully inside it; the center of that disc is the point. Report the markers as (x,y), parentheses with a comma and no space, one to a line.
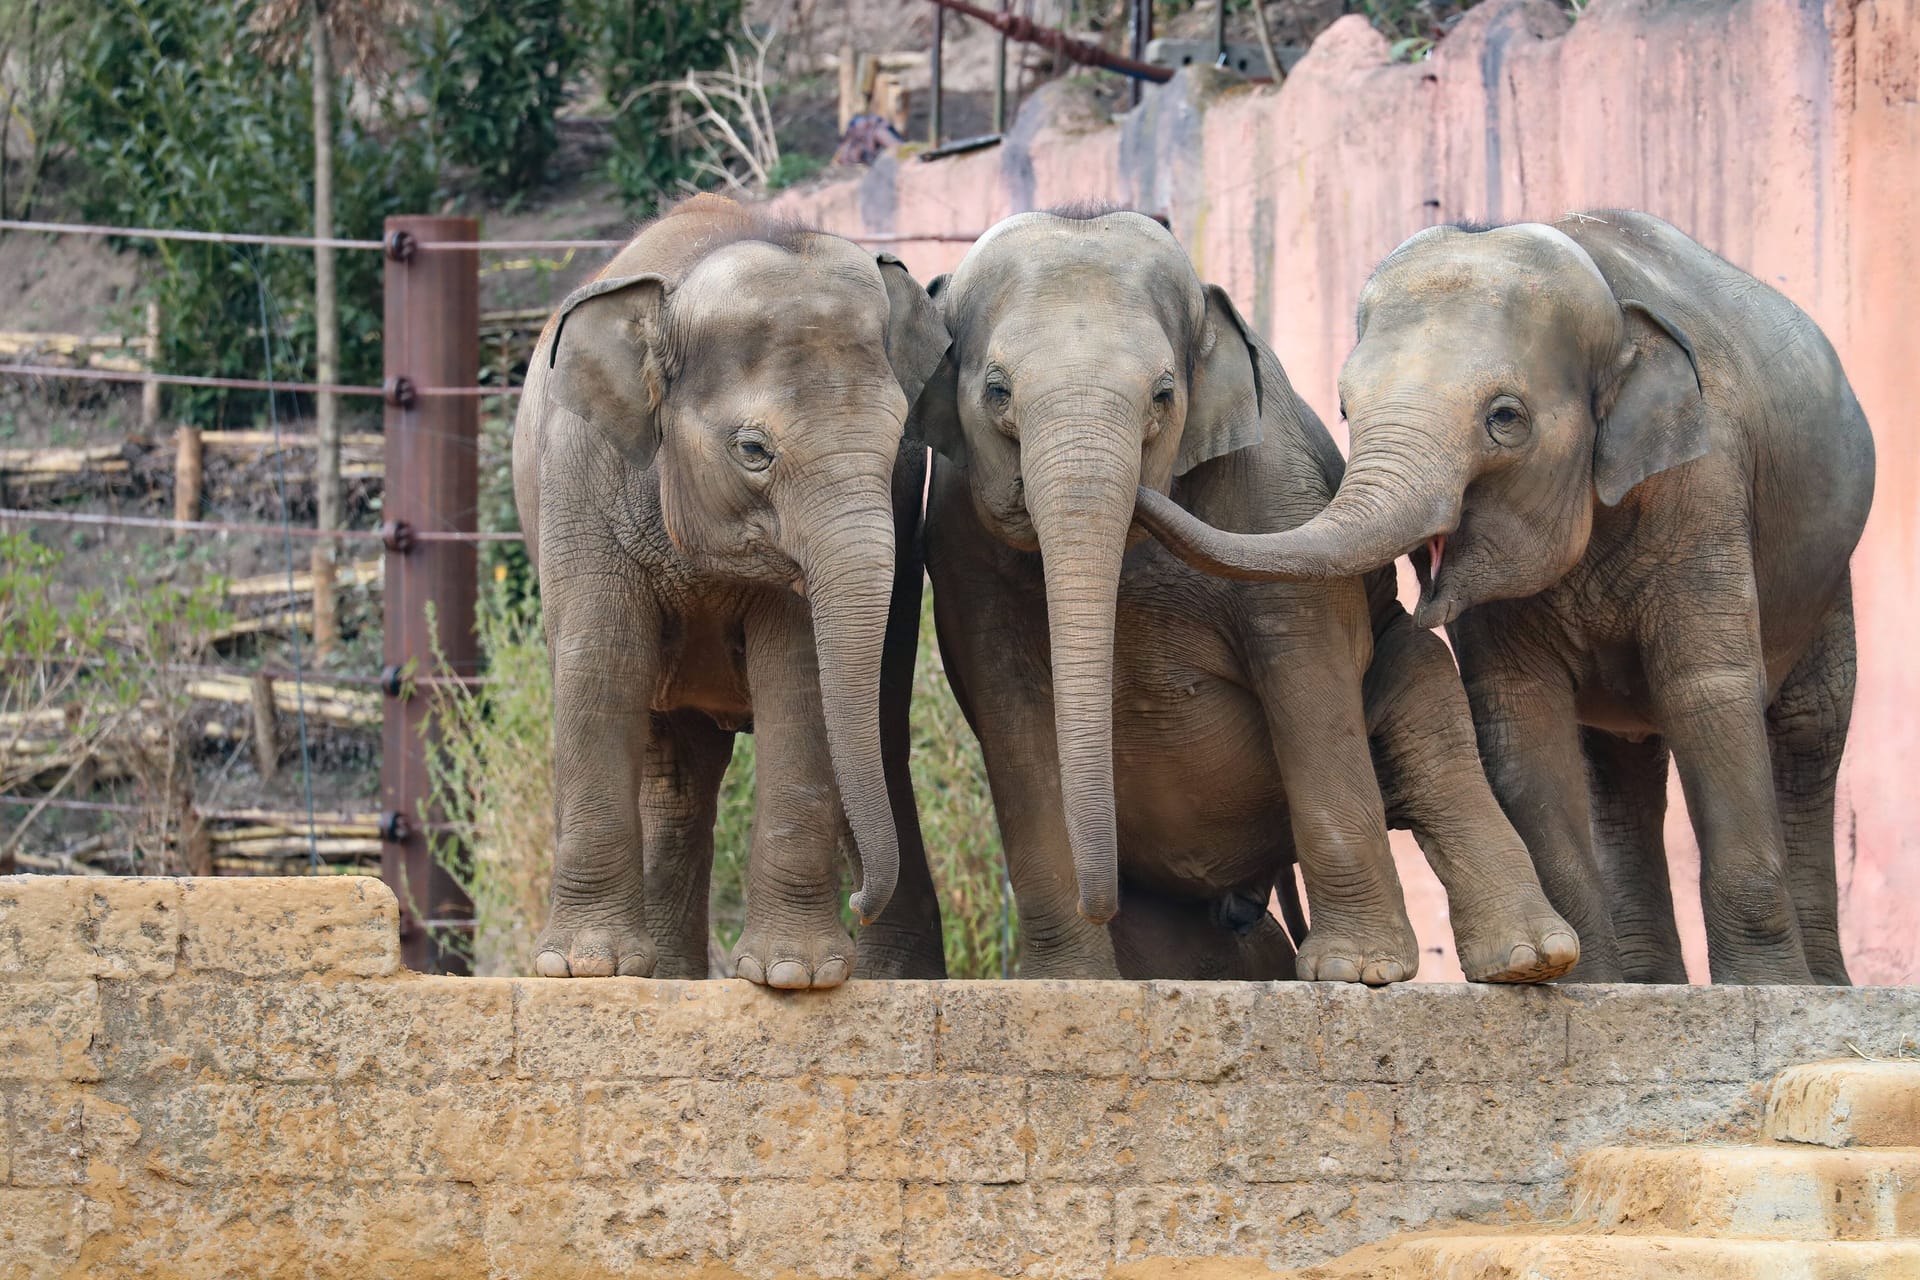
(175,121)
(493,74)
(642,43)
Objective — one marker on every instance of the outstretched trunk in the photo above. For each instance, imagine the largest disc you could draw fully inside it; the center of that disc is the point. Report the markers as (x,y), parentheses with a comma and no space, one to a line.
(1391,501)
(849,576)
(1079,494)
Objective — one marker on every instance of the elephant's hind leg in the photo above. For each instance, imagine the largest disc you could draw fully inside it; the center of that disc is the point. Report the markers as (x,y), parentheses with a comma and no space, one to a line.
(1807,730)
(686,761)
(1421,734)
(1627,792)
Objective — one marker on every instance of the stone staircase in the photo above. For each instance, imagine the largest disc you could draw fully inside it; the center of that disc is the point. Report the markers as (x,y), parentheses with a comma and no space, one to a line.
(1830,1192)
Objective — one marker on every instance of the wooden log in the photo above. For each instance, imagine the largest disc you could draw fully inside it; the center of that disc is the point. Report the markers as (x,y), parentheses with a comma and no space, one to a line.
(187,459)
(150,393)
(266,735)
(326,615)
(352,573)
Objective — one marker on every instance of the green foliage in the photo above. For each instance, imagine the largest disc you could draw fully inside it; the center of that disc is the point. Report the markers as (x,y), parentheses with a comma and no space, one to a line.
(176,122)
(643,43)
(493,74)
(88,676)
(793,167)
(34,39)
(492,783)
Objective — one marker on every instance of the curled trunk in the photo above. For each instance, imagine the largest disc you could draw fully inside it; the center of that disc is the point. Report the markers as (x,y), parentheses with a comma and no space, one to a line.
(1387,505)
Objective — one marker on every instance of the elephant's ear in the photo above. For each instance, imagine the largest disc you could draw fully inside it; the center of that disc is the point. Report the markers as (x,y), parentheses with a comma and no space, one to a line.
(606,360)
(1652,416)
(933,416)
(1223,406)
(917,336)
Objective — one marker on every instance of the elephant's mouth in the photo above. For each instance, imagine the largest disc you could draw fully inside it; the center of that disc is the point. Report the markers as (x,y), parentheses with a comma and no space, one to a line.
(1435,608)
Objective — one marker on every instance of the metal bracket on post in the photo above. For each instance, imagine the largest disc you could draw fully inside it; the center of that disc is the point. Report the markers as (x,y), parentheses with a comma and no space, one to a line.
(432,339)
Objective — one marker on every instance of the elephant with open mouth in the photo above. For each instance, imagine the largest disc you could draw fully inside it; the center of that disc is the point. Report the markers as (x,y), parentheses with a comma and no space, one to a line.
(1631,477)
(708,466)
(1161,744)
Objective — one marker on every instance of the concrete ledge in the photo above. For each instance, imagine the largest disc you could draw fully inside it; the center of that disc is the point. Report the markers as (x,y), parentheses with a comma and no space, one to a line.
(215,1077)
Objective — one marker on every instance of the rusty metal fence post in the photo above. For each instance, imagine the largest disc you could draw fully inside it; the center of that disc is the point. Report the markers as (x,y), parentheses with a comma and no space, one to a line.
(432,340)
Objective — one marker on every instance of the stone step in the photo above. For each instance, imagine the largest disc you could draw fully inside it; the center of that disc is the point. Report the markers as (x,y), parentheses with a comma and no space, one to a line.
(1768,1189)
(1847,1104)
(1595,1257)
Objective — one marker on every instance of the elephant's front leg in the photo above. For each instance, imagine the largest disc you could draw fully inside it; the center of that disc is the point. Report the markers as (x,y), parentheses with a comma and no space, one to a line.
(1315,716)
(1422,734)
(1523,712)
(793,935)
(603,639)
(1709,693)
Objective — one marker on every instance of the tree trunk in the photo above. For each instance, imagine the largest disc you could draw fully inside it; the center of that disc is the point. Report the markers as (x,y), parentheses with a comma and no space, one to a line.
(326,342)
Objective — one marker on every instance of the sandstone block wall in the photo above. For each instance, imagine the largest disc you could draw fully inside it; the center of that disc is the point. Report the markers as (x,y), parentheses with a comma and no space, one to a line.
(235,1077)
(1783,134)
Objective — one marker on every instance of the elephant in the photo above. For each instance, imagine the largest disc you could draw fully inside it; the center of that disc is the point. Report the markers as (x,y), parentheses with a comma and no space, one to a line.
(1630,477)
(707,463)
(1146,724)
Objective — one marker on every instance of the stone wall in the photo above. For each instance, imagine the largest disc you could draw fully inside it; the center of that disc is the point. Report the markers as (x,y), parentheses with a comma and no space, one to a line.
(235,1077)
(1781,133)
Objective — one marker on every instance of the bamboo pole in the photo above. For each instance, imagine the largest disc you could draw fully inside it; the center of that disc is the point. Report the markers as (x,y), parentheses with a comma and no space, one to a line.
(187,471)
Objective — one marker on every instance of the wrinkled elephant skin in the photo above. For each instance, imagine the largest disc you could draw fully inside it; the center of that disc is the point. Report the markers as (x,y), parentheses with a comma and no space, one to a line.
(708,466)
(1632,477)
(1161,743)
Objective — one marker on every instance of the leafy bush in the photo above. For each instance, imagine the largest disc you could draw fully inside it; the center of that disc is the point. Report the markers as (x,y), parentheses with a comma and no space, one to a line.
(176,122)
(643,43)
(494,74)
(492,781)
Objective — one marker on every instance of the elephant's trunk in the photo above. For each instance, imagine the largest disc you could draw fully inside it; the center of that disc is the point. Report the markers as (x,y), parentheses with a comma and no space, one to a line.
(849,577)
(1394,498)
(1079,492)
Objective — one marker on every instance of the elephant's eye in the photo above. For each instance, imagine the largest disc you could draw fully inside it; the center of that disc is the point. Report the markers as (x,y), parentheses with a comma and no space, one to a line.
(753,452)
(999,394)
(1163,396)
(1507,421)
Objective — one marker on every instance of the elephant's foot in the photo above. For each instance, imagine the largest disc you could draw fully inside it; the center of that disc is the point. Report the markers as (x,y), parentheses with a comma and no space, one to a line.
(1375,953)
(593,941)
(792,956)
(1513,941)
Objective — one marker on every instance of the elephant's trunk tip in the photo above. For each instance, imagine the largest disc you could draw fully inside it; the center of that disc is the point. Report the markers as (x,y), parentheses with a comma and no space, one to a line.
(1099,903)
(869,900)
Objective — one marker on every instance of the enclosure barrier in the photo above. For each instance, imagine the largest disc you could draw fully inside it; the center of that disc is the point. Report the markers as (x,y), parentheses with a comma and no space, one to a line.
(431,396)
(213,1077)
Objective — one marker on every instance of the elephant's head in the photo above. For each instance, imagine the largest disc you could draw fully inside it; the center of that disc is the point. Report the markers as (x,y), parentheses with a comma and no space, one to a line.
(1499,387)
(768,388)
(1087,360)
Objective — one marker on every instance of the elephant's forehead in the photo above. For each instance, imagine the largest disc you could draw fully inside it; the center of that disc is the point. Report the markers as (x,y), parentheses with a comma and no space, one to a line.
(776,292)
(1502,267)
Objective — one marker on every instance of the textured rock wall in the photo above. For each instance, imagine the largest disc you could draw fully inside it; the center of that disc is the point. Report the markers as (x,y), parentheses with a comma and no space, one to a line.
(235,1077)
(1784,134)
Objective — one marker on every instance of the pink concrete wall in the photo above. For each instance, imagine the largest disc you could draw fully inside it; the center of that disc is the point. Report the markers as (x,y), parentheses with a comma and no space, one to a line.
(1784,134)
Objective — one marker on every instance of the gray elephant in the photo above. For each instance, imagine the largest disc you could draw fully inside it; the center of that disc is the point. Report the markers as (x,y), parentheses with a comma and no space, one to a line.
(1632,476)
(707,465)
(1146,724)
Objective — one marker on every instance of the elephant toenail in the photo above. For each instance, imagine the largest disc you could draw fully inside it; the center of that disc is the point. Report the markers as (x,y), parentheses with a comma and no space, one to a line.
(787,974)
(830,974)
(635,967)
(749,968)
(551,964)
(1522,958)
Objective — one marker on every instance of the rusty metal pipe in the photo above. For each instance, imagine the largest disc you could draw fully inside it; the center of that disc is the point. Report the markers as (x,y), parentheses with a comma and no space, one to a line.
(1019,28)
